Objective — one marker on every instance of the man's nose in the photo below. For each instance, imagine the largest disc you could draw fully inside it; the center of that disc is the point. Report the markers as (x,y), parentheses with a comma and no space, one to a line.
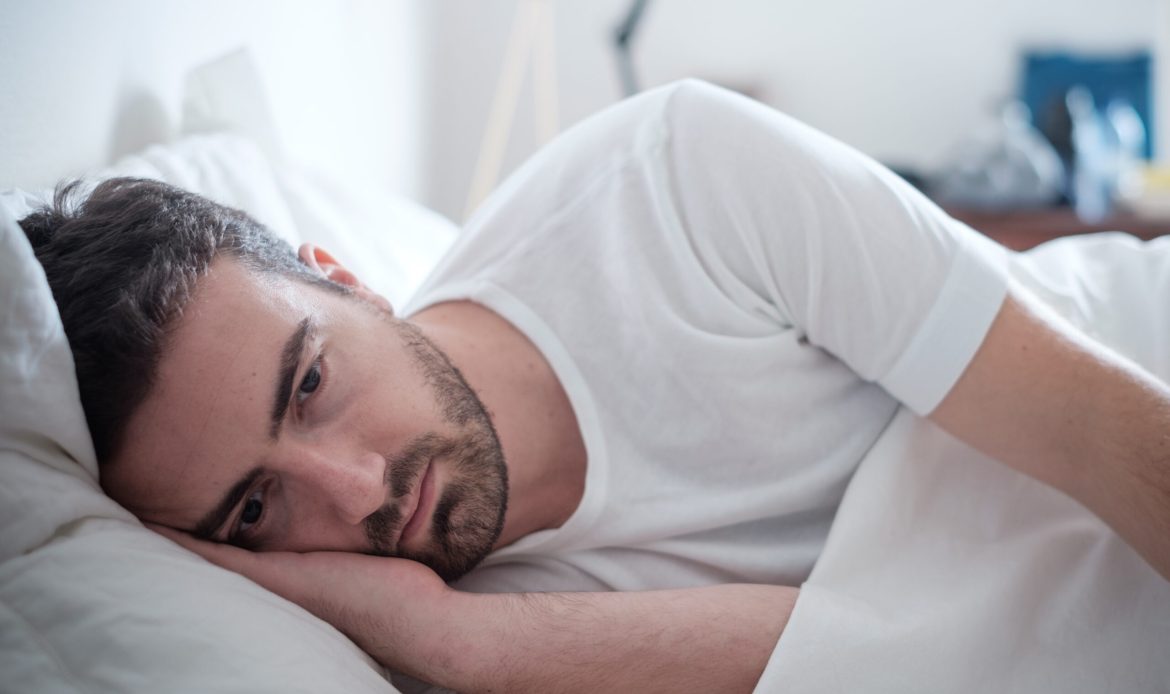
(353,485)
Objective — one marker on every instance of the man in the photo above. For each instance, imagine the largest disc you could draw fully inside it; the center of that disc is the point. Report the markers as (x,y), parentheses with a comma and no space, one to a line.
(650,364)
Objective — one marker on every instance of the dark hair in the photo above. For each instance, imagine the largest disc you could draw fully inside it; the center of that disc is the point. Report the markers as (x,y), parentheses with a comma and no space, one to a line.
(122,263)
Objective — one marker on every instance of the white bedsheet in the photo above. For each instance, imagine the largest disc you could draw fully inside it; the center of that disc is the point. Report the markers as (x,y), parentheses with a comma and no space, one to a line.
(946,571)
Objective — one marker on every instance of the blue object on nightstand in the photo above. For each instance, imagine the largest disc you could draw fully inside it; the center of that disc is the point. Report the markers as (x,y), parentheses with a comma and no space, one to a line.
(1048,77)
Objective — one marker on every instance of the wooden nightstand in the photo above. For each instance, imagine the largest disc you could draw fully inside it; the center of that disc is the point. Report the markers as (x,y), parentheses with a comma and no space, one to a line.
(1023,230)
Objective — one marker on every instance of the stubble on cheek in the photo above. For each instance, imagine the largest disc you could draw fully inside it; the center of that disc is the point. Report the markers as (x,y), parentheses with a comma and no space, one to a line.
(469,513)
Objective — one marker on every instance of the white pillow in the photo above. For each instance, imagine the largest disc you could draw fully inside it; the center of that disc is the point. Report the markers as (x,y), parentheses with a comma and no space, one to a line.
(48,472)
(388,241)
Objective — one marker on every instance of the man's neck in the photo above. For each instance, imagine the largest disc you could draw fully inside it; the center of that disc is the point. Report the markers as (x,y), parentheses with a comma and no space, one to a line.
(538,431)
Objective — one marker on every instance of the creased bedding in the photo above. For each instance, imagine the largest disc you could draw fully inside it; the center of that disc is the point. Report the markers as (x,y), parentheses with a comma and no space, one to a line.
(947,571)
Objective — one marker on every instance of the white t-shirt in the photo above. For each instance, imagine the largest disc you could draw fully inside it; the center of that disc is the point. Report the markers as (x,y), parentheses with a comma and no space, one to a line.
(735,304)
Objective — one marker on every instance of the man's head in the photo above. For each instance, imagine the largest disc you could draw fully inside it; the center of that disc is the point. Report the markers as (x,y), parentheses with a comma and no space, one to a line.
(241,393)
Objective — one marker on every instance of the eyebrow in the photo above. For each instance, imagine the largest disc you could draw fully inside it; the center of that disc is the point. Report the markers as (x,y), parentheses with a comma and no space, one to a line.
(206,528)
(290,358)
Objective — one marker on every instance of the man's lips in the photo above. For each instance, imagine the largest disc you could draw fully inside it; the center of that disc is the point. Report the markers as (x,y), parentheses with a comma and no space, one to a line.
(423,500)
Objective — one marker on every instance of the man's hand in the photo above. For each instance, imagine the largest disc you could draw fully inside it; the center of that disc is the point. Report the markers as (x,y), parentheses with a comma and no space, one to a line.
(716,638)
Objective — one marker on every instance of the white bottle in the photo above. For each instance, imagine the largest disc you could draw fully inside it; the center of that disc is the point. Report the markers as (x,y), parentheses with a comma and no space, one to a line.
(1093,158)
(1129,136)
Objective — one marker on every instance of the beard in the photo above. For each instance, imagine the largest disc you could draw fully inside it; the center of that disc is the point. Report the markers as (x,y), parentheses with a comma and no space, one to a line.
(469,513)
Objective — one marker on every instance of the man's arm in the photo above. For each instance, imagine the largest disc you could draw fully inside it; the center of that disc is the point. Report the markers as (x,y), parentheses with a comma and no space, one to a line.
(860,262)
(1048,401)
(716,638)
(711,639)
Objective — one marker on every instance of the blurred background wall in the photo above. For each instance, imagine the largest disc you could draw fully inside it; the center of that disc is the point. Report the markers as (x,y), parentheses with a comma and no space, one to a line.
(83,82)
(399,92)
(903,80)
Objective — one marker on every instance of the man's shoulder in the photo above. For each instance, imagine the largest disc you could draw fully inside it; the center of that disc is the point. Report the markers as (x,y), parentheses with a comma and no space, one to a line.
(597,146)
(578,197)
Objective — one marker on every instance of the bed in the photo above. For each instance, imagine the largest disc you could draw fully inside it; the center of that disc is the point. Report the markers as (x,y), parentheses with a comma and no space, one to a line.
(944,571)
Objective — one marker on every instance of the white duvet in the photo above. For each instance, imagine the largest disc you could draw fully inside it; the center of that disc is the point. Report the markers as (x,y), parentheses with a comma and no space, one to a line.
(945,571)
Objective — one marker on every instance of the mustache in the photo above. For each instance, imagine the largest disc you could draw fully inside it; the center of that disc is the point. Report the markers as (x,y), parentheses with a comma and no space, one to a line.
(402,473)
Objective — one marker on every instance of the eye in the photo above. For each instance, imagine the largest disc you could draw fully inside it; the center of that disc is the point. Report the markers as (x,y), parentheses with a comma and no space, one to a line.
(252,512)
(311,381)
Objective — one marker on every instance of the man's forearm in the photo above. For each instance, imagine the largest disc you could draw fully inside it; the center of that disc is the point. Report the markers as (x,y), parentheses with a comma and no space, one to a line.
(1052,403)
(1124,468)
(716,638)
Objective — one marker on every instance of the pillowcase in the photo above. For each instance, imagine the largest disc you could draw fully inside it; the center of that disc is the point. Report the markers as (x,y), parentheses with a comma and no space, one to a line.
(48,472)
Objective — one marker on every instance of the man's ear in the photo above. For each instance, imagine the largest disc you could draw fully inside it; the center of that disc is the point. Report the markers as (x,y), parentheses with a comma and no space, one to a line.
(323,263)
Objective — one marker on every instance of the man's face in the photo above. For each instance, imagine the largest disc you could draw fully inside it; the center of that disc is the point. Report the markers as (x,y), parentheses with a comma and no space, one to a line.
(287,417)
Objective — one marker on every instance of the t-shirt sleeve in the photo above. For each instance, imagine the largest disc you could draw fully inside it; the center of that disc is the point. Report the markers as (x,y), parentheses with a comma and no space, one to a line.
(839,247)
